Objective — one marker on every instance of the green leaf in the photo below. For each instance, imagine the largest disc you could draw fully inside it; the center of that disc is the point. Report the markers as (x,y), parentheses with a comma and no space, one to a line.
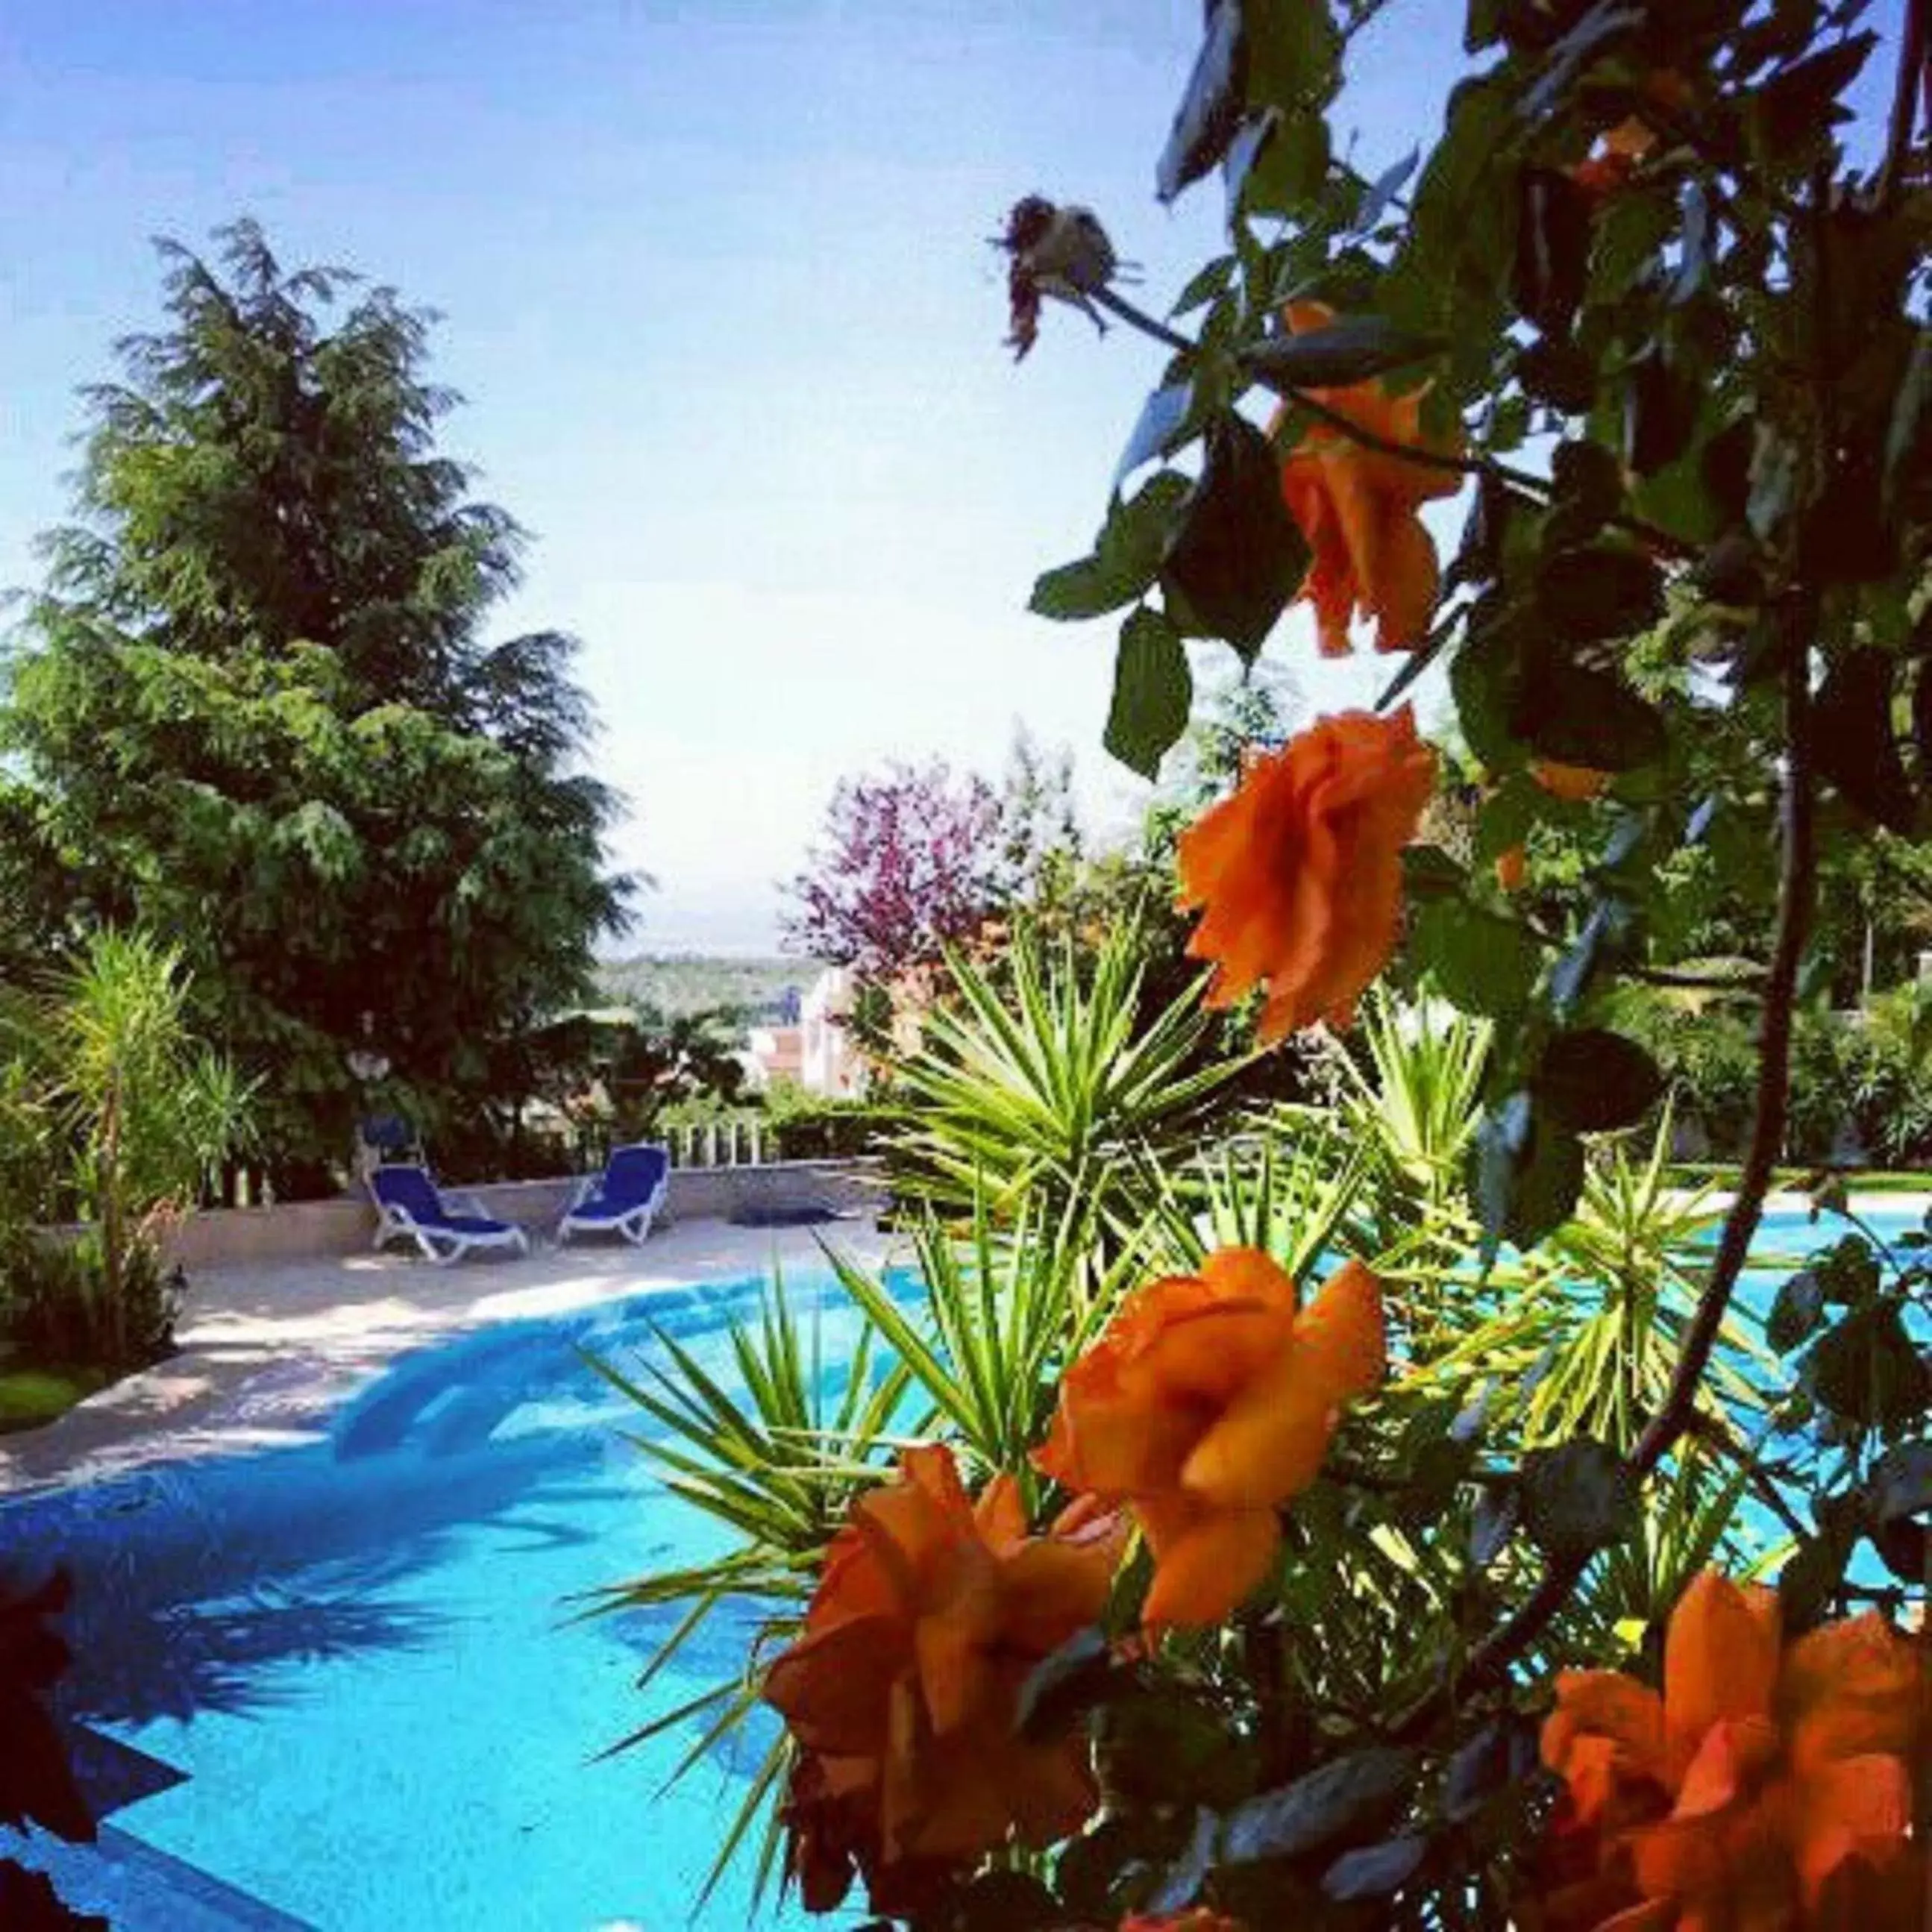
(1484,676)
(1528,1171)
(1153,691)
(1495,1757)
(1244,151)
(1481,962)
(1237,556)
(1555,371)
(1125,558)
(1905,1548)
(1068,1681)
(1210,110)
(1216,279)
(1382,191)
(1553,247)
(1732,570)
(1591,591)
(1577,967)
(1005,1901)
(1660,412)
(1292,53)
(1595,28)
(1797,1310)
(1900,1483)
(1375,1871)
(1079,590)
(1578,716)
(1866,1370)
(1595,1081)
(1855,744)
(1492,1522)
(1342,1799)
(1288,169)
(1159,429)
(1578,1497)
(1809,1580)
(1903,433)
(1630,235)
(1794,107)
(1350,350)
(1429,872)
(1848,1272)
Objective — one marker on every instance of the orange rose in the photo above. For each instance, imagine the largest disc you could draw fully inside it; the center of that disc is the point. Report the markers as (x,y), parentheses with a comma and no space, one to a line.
(1208,1403)
(930,1611)
(1299,872)
(1620,149)
(1574,783)
(1760,1784)
(1357,507)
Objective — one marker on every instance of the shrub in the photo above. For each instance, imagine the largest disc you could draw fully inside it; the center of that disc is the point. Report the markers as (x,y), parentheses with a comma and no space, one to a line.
(55,1304)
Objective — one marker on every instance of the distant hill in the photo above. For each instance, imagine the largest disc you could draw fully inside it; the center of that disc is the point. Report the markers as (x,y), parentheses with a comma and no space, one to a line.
(675,983)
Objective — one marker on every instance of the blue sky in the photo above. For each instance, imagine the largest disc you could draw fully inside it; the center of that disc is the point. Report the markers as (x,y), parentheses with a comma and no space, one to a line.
(716,287)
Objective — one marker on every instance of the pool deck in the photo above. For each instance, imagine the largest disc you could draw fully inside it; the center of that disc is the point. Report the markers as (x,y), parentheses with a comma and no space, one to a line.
(267,1353)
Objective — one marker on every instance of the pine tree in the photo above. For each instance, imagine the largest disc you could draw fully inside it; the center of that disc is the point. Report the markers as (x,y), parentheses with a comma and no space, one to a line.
(257,712)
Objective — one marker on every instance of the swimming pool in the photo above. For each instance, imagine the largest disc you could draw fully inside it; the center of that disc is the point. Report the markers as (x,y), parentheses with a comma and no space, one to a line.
(337,1686)
(340,1685)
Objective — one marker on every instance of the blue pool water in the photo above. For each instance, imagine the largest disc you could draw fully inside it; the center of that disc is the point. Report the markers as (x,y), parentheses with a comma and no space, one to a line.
(349,1671)
(337,1686)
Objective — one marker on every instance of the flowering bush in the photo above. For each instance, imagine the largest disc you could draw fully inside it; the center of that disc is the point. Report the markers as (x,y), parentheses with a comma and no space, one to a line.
(1423,1613)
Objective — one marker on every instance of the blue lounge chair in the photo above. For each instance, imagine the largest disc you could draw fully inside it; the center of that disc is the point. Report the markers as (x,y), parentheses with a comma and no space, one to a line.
(408,1205)
(625,1197)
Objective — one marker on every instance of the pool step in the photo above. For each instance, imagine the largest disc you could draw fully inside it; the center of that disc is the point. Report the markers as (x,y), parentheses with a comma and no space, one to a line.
(139,1888)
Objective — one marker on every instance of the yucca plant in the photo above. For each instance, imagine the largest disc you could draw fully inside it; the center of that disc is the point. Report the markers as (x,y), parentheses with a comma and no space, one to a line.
(1286,1183)
(147,1112)
(973,1357)
(1005,1308)
(1056,1093)
(1690,1521)
(1405,1097)
(1630,1265)
(1422,1091)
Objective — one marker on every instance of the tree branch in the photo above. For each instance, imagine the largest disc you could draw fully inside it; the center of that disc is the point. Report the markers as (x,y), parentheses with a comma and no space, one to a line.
(1490,1662)
(1709,1429)
(1914,76)
(1448,460)
(1797,884)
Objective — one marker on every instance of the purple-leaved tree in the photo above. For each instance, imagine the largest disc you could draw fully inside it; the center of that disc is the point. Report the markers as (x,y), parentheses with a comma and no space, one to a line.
(908,861)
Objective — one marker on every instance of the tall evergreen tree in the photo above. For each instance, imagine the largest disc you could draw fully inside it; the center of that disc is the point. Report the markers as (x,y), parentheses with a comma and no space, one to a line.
(257,711)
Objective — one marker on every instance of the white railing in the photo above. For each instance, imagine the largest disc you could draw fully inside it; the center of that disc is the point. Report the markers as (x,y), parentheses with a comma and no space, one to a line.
(718,1143)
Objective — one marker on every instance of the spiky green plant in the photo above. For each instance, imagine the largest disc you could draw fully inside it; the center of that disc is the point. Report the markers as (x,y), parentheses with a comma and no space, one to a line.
(1055,1092)
(1419,1097)
(1005,1309)
(973,1357)
(1285,1183)
(145,1111)
(1629,1265)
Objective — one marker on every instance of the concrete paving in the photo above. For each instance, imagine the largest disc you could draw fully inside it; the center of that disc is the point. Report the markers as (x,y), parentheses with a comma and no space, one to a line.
(267,1353)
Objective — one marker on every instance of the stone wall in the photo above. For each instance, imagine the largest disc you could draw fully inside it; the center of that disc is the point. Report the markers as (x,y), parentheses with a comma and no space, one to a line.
(305,1230)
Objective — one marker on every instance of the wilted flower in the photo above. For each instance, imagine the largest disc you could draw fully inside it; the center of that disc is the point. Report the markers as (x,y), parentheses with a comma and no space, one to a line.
(1061,252)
